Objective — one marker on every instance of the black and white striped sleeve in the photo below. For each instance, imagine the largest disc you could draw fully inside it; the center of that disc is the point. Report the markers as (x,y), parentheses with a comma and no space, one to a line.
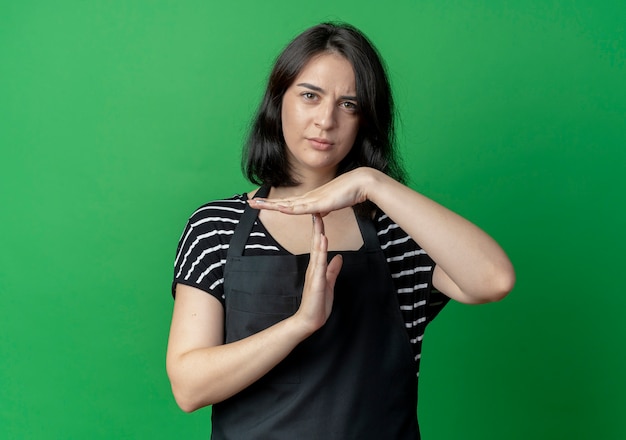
(203,246)
(412,273)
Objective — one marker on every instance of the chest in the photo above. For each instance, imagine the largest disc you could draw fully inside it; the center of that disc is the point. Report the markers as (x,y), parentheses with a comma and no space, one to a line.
(293,232)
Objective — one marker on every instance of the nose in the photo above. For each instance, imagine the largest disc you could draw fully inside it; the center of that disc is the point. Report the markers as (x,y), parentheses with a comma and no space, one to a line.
(325,116)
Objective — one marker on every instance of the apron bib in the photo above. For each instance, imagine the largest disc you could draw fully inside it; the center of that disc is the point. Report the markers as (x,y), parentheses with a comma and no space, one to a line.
(355,378)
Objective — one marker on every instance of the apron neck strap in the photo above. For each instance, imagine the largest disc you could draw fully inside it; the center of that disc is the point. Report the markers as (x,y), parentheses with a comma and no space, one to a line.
(368,232)
(242,231)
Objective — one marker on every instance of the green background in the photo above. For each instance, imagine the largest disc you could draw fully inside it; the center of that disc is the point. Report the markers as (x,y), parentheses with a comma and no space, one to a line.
(119,118)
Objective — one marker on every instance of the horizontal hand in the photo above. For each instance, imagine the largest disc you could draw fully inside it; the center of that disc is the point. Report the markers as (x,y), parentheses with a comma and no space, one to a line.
(346,190)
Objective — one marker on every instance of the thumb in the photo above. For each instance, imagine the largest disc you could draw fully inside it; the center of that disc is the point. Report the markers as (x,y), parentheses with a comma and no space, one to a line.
(333,269)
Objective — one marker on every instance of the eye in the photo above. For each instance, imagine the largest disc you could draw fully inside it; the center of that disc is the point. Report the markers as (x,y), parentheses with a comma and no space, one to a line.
(309,96)
(350,106)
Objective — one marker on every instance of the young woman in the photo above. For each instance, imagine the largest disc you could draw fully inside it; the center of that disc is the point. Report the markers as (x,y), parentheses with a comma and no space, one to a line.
(301,306)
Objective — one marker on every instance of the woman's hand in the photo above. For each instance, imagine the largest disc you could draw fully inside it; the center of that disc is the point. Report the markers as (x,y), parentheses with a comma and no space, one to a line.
(345,190)
(319,284)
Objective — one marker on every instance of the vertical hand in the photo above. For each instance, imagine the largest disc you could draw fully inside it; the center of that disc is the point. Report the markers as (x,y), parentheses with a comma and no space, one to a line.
(319,284)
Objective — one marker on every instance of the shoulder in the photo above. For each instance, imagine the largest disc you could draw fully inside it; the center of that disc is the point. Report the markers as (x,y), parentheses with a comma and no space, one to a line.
(204,243)
(389,233)
(226,210)
(212,224)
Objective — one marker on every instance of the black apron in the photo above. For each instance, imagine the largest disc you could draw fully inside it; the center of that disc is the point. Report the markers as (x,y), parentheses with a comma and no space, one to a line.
(355,378)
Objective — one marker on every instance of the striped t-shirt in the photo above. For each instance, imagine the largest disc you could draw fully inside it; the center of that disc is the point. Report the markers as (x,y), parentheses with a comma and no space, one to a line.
(202,249)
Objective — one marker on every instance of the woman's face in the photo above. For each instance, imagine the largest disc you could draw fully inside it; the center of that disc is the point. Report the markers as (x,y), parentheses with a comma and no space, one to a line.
(320,116)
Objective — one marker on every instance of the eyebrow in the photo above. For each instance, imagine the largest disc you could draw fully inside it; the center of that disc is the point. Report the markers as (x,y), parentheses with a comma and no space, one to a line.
(321,90)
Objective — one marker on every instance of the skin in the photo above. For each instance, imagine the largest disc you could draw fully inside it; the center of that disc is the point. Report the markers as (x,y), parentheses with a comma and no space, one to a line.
(320,119)
(320,123)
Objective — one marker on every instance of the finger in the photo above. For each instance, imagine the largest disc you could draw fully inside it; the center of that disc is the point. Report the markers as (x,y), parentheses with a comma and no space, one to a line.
(318,224)
(333,269)
(286,206)
(317,262)
(319,248)
(259,203)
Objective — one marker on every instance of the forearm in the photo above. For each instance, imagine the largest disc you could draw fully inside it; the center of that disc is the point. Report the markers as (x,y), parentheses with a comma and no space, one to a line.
(471,266)
(208,375)
(470,257)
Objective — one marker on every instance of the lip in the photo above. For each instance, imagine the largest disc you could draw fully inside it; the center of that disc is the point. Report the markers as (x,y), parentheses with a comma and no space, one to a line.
(320,143)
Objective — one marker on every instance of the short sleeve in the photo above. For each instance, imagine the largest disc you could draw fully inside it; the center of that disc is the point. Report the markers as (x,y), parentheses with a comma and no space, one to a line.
(436,302)
(412,271)
(203,246)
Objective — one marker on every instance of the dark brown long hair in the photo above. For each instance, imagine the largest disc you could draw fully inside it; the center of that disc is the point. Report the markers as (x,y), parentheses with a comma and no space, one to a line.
(265,160)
